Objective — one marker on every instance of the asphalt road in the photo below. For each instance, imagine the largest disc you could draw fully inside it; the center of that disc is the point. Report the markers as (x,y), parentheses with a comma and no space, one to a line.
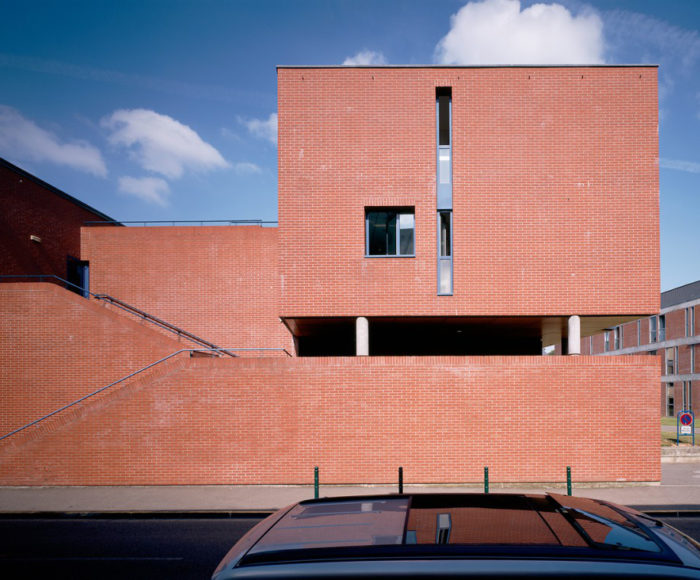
(134,549)
(131,549)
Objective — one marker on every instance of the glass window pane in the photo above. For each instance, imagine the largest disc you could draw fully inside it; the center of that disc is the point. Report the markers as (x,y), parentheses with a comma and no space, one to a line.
(391,234)
(444,168)
(406,232)
(445,276)
(444,119)
(662,328)
(445,237)
(377,222)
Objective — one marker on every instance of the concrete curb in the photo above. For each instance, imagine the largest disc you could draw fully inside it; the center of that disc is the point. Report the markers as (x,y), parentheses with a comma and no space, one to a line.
(680,454)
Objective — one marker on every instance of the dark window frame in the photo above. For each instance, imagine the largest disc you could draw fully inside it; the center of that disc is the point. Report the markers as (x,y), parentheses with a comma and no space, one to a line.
(398,211)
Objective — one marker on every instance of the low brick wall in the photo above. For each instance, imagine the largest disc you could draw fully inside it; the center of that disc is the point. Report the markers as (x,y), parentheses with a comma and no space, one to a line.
(270,421)
(56,346)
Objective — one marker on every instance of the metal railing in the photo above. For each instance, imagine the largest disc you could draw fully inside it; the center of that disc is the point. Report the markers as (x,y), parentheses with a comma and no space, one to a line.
(256,222)
(130,309)
(127,377)
(98,391)
(161,323)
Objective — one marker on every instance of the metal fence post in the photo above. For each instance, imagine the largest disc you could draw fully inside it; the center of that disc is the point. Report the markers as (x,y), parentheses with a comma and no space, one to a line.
(486,479)
(315,482)
(568,480)
(400,479)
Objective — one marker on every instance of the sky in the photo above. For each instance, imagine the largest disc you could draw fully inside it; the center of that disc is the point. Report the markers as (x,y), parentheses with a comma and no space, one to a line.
(166,109)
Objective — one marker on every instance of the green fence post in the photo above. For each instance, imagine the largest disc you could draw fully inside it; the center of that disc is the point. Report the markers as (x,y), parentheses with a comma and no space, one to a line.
(486,479)
(315,482)
(400,479)
(568,480)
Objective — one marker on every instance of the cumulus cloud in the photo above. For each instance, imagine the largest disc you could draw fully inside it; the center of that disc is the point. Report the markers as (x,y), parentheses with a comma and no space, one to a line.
(161,144)
(245,167)
(500,32)
(678,165)
(366,57)
(151,189)
(23,139)
(263,128)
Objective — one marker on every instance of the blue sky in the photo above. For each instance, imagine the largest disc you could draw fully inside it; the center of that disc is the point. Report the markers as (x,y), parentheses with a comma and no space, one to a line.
(166,110)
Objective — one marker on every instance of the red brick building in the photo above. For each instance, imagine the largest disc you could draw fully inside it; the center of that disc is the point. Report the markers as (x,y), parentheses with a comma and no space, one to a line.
(40,227)
(448,222)
(672,335)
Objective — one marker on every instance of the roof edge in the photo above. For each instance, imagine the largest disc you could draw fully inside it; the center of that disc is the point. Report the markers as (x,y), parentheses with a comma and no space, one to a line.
(462,66)
(53,189)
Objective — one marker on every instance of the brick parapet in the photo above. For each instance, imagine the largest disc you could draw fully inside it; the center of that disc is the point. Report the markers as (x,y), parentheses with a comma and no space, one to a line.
(270,421)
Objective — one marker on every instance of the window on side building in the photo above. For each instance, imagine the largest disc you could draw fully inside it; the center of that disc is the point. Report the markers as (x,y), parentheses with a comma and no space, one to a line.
(670,361)
(606,341)
(662,327)
(670,402)
(652,329)
(390,232)
(692,358)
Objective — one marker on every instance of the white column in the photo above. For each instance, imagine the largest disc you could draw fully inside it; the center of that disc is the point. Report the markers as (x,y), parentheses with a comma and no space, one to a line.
(361,336)
(574,335)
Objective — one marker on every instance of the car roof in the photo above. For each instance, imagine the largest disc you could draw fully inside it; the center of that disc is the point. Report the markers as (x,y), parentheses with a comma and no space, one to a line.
(453,525)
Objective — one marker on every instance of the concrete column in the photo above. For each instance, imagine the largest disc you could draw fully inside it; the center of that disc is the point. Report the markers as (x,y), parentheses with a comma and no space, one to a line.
(574,335)
(361,336)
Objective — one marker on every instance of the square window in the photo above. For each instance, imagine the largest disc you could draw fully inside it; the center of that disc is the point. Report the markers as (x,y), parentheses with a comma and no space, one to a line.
(390,231)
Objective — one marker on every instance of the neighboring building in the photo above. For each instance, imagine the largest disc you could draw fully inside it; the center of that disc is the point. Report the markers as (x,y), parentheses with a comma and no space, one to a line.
(673,335)
(40,227)
(448,222)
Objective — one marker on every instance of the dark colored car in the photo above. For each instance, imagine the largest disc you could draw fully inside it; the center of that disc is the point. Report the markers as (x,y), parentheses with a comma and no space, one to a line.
(461,535)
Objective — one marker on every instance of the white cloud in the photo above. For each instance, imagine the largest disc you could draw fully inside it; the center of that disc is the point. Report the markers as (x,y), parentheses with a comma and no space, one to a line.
(22,139)
(634,37)
(264,129)
(677,164)
(631,37)
(150,189)
(245,167)
(499,32)
(365,57)
(161,144)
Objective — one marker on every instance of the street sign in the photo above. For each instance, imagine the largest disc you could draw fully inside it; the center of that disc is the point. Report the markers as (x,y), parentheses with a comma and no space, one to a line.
(686,424)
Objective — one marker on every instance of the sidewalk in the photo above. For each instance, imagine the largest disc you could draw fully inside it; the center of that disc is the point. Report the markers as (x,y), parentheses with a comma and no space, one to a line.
(679,490)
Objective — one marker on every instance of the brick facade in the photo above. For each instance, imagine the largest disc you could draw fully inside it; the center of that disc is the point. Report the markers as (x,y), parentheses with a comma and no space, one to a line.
(555,213)
(31,207)
(57,347)
(270,421)
(555,190)
(220,283)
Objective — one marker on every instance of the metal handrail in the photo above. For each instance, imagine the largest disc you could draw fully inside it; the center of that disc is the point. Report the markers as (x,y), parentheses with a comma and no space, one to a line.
(132,310)
(101,389)
(158,322)
(255,222)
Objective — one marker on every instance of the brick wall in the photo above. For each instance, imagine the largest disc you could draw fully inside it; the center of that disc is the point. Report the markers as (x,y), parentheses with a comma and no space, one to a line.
(555,190)
(56,347)
(270,421)
(29,208)
(220,283)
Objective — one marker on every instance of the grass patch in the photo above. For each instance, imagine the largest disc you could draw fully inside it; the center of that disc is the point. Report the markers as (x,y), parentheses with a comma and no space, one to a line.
(668,439)
(668,421)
